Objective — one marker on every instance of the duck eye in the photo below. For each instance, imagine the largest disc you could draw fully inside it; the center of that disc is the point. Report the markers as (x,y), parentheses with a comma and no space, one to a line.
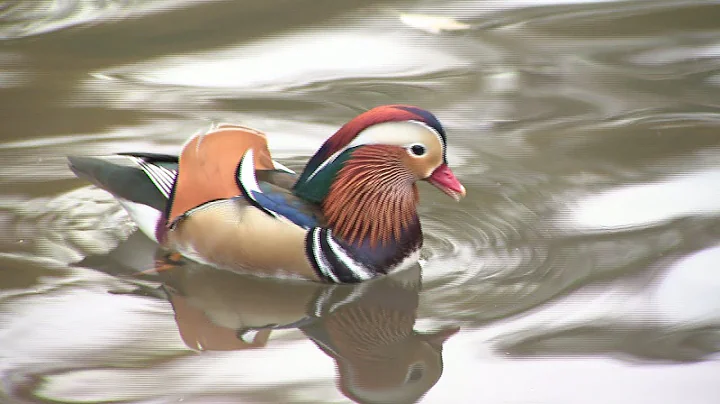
(417,149)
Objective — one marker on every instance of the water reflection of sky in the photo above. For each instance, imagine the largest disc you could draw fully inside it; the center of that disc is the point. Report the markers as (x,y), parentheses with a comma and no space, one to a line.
(297,60)
(648,204)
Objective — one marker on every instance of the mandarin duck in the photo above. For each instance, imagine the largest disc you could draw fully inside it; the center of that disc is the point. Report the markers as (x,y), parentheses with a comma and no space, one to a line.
(348,217)
(366,328)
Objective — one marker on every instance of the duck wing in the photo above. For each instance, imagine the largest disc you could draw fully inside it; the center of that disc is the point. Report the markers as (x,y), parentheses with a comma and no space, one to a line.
(273,196)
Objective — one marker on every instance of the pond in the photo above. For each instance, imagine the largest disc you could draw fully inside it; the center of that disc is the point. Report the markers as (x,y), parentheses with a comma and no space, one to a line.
(580,268)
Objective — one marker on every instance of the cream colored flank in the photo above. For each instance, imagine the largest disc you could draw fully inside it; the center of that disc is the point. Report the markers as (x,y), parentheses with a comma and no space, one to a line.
(232,234)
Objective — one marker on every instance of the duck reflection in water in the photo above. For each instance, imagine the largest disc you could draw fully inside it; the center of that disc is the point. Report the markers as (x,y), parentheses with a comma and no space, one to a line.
(367,329)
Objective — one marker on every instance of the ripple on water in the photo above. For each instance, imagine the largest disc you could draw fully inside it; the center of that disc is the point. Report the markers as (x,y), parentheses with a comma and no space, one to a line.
(648,204)
(483,261)
(502,256)
(264,63)
(668,313)
(28,18)
(626,19)
(65,228)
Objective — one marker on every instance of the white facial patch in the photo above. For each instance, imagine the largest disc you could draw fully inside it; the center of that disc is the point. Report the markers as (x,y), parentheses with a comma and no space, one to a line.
(394,133)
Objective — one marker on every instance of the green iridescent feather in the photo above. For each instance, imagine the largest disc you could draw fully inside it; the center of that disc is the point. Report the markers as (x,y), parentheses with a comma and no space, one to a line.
(317,188)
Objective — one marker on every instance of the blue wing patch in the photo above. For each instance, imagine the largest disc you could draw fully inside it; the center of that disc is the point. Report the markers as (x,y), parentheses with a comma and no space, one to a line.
(268,200)
(279,204)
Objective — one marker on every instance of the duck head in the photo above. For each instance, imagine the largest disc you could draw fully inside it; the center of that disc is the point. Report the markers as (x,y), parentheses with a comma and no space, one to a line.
(399,373)
(365,175)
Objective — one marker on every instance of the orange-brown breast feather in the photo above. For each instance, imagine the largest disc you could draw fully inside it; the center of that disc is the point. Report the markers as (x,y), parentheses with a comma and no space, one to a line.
(370,197)
(208,166)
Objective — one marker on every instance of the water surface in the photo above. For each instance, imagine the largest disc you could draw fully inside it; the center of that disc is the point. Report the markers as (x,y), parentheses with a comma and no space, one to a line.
(579,269)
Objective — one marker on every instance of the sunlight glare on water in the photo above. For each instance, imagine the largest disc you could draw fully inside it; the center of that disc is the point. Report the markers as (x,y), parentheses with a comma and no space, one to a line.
(316,56)
(646,204)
